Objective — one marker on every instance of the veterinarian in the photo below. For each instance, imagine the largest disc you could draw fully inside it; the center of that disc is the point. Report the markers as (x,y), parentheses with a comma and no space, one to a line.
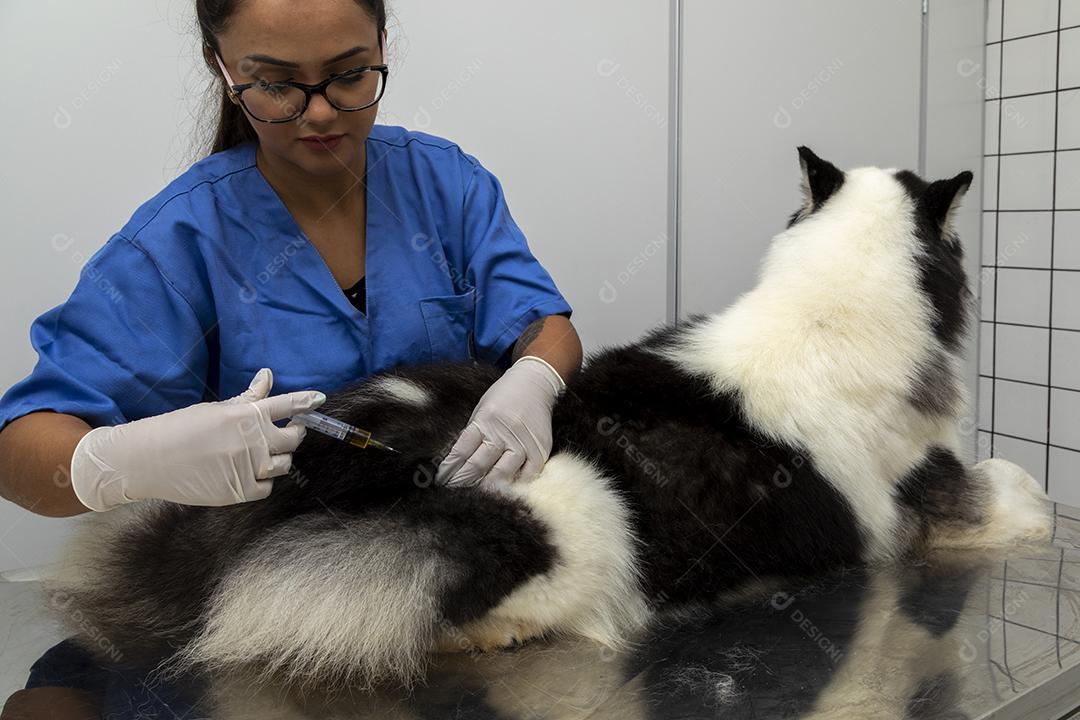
(311,249)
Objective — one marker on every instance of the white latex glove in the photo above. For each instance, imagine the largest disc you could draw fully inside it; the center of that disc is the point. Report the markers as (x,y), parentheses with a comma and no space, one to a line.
(210,453)
(510,428)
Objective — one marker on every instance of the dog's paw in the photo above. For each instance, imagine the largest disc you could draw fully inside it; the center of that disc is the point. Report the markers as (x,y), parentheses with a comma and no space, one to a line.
(1007,507)
(1016,508)
(488,636)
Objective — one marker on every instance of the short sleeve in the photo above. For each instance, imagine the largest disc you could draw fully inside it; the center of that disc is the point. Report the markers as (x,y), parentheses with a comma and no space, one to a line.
(512,288)
(124,345)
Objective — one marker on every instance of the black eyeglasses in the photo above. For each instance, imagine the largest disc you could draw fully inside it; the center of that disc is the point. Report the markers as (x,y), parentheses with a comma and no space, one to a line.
(285,100)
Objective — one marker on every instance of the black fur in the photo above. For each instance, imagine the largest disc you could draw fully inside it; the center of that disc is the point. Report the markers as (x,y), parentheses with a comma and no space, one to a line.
(934,595)
(940,490)
(666,335)
(700,483)
(941,268)
(494,537)
(934,391)
(823,180)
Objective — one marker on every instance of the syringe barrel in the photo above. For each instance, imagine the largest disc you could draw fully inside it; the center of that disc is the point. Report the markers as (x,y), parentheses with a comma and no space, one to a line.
(324,424)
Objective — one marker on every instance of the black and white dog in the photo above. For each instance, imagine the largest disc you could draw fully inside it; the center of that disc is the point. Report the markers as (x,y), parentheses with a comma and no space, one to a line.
(813,424)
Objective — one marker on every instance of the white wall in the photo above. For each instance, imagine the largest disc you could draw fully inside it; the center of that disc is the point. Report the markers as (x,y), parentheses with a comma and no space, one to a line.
(762,78)
(96,120)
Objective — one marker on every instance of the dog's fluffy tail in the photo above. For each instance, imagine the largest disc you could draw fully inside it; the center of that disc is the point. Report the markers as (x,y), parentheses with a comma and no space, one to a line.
(326,599)
(331,600)
(323,600)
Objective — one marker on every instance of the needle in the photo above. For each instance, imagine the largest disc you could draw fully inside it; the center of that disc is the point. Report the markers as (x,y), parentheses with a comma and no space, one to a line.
(340,430)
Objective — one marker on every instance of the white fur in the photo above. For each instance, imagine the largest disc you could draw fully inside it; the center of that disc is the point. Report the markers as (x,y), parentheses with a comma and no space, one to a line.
(593,589)
(1018,507)
(311,601)
(400,389)
(824,350)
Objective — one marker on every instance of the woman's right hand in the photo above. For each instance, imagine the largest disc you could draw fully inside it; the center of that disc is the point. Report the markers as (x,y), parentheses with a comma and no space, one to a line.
(211,453)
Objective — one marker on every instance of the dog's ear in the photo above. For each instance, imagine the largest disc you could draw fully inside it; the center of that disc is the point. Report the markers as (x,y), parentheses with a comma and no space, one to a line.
(820,179)
(942,197)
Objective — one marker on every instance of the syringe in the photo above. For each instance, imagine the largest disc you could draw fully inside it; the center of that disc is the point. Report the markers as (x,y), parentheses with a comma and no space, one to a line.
(341,430)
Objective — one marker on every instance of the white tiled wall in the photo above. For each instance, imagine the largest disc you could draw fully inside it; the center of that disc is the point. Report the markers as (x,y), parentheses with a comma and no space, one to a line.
(1029,389)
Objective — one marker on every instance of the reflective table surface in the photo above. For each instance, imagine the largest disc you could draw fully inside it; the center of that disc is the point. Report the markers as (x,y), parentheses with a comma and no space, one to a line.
(959,635)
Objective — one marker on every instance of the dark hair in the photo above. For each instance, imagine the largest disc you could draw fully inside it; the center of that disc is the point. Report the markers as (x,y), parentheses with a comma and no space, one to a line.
(233,127)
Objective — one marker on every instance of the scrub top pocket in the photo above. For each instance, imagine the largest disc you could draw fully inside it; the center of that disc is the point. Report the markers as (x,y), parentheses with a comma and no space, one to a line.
(449,320)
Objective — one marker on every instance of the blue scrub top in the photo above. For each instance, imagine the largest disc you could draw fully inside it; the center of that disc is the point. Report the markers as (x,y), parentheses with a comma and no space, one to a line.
(212,279)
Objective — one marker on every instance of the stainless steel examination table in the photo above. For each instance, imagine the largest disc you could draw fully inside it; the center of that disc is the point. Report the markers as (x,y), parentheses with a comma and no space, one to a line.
(965,635)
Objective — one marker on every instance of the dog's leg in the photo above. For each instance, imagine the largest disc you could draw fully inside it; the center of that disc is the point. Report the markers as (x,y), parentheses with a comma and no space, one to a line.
(1012,508)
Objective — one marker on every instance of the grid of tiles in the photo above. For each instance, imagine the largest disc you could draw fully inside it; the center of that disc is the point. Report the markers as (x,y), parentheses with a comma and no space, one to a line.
(1029,370)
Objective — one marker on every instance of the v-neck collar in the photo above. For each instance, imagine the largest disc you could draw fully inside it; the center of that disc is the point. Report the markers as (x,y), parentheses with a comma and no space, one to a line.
(313,269)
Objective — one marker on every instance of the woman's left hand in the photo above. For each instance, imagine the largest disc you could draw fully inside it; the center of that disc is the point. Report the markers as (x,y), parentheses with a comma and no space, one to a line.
(510,428)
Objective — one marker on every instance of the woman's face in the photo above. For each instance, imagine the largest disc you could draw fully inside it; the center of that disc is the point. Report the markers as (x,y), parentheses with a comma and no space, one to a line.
(303,39)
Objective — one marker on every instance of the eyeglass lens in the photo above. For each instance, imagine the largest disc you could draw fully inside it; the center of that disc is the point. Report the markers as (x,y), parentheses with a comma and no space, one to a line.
(273,101)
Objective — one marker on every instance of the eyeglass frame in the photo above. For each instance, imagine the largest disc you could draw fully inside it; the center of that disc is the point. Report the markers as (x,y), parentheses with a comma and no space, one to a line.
(318,88)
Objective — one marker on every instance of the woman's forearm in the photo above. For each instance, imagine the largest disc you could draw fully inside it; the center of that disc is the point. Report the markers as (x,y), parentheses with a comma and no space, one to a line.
(35,462)
(554,339)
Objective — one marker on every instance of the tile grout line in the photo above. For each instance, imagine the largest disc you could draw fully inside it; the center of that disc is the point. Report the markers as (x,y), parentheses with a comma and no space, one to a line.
(1031,35)
(1053,216)
(1030,440)
(997,232)
(1031,152)
(1030,382)
(1036,92)
(1029,325)
(1037,269)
